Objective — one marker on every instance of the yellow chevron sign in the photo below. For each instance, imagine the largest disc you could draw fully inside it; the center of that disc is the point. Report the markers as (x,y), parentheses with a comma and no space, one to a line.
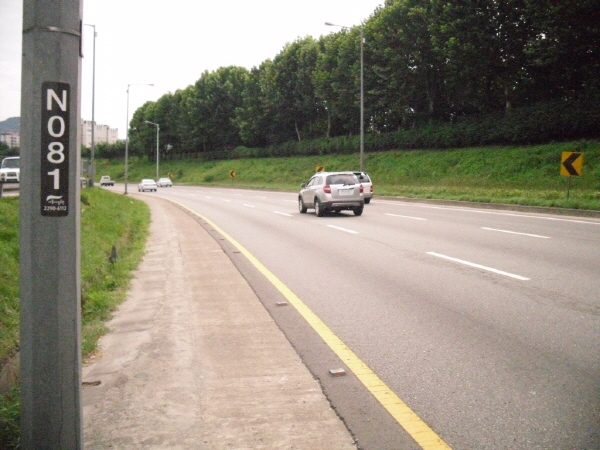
(571,164)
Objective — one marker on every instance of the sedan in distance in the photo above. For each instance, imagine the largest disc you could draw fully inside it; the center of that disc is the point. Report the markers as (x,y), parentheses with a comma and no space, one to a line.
(332,192)
(147,185)
(164,182)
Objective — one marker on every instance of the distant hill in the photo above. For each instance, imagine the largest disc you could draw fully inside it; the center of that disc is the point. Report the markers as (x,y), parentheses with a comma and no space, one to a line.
(11,124)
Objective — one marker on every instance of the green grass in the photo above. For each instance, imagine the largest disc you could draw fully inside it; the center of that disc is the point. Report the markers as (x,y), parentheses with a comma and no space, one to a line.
(107,219)
(9,277)
(515,175)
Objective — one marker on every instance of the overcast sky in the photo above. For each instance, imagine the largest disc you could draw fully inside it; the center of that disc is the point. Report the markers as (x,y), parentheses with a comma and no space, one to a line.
(170,44)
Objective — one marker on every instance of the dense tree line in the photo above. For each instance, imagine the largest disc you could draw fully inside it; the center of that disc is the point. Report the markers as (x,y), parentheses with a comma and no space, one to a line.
(426,63)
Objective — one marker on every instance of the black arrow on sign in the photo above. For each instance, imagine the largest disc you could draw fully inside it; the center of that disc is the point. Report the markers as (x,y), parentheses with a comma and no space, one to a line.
(568,164)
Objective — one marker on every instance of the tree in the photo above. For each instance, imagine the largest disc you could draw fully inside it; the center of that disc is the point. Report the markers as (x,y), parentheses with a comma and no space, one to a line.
(337,82)
(4,149)
(407,81)
(297,107)
(255,117)
(211,108)
(564,50)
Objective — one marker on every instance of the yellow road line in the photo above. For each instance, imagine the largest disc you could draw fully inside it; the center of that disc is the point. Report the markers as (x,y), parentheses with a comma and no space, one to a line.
(400,411)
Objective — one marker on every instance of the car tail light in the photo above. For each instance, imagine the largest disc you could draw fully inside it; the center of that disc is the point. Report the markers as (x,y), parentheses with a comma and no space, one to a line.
(362,189)
(327,189)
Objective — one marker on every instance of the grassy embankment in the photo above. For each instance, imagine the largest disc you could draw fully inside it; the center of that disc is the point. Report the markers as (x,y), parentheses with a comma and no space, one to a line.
(107,219)
(514,175)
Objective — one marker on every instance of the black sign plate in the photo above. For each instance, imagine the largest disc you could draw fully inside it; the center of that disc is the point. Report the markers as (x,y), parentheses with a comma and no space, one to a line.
(55,149)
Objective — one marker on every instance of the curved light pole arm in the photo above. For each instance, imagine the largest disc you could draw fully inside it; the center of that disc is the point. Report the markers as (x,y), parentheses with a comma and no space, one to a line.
(362,103)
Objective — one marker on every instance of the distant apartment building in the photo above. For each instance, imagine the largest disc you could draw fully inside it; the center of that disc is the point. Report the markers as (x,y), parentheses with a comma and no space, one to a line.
(102,133)
(11,138)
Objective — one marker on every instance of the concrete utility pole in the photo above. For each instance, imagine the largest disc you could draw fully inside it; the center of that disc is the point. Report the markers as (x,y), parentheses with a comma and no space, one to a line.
(50,286)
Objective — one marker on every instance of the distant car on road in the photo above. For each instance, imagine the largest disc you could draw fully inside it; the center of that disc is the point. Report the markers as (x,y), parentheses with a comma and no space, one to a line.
(10,170)
(147,185)
(106,181)
(164,182)
(367,184)
(332,191)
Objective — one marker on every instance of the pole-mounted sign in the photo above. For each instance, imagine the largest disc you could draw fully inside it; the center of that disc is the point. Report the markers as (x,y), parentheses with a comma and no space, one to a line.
(54,174)
(571,164)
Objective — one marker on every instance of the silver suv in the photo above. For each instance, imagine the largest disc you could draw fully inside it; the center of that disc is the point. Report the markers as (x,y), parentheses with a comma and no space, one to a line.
(332,191)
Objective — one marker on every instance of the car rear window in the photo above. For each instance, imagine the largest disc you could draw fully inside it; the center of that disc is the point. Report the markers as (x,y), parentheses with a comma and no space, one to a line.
(342,178)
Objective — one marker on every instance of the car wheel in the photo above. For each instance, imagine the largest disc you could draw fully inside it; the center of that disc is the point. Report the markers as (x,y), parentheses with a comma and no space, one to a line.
(367,201)
(301,206)
(319,211)
(358,211)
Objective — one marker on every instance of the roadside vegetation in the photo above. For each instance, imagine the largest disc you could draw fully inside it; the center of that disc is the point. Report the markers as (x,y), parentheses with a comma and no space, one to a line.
(107,220)
(435,75)
(520,175)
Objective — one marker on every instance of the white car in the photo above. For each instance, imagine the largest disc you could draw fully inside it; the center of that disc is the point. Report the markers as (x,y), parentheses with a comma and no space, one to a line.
(164,182)
(10,170)
(367,184)
(106,181)
(147,185)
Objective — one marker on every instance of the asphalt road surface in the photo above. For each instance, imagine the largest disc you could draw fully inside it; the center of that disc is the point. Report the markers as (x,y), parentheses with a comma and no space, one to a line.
(483,322)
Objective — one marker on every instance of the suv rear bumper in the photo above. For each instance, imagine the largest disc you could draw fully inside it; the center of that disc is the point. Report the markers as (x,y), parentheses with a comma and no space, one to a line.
(343,205)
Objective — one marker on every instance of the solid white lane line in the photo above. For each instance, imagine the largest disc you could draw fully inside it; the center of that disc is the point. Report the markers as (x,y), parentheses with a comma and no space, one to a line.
(479,266)
(515,232)
(249,206)
(282,213)
(343,229)
(405,217)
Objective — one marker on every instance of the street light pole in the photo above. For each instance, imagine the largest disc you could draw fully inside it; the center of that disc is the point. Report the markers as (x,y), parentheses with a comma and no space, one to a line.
(127,134)
(362,103)
(93,170)
(362,94)
(157,147)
